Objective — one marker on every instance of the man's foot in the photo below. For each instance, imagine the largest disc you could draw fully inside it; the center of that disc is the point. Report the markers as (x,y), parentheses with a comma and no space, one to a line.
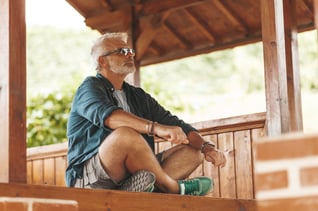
(140,181)
(198,186)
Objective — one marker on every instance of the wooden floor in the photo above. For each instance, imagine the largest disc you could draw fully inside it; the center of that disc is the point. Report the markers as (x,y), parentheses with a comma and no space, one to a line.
(106,200)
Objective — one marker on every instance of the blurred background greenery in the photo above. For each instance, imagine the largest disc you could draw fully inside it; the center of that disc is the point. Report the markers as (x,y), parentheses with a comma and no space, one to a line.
(220,84)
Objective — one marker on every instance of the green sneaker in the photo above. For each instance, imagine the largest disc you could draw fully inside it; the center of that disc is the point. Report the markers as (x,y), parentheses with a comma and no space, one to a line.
(140,181)
(198,186)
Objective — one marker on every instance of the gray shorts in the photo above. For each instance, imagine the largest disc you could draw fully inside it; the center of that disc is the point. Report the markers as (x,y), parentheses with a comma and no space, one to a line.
(94,175)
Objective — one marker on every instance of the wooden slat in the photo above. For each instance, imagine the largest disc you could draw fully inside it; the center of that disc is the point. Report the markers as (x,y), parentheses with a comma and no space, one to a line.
(37,172)
(243,164)
(49,171)
(60,167)
(29,172)
(227,173)
(211,171)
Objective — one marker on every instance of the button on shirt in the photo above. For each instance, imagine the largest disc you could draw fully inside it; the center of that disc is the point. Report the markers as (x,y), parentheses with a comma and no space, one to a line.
(93,102)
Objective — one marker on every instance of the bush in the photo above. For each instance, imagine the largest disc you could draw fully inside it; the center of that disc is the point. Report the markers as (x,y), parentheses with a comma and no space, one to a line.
(47,116)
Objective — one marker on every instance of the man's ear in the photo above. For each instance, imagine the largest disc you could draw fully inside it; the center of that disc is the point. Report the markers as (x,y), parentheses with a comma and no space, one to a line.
(102,61)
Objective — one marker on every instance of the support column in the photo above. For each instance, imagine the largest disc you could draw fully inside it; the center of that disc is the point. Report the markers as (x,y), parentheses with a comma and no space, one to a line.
(283,100)
(12,91)
(133,78)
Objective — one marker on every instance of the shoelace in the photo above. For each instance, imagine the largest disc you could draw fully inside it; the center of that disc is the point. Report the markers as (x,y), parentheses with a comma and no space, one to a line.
(192,187)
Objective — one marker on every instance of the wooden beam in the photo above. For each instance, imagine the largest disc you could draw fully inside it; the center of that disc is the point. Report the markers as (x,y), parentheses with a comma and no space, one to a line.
(230,16)
(12,91)
(292,66)
(101,200)
(184,44)
(108,21)
(150,25)
(316,13)
(151,7)
(280,62)
(200,26)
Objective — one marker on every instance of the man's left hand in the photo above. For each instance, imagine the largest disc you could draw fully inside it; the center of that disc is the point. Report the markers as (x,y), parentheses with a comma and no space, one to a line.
(214,156)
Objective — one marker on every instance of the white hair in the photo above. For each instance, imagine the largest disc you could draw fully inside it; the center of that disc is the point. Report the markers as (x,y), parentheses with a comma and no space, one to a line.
(98,47)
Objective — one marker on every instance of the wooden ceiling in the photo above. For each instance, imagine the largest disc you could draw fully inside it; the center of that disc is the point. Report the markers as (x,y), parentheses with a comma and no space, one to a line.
(165,30)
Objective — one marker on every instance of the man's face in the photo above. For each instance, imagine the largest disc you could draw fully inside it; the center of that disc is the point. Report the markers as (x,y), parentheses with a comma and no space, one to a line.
(118,62)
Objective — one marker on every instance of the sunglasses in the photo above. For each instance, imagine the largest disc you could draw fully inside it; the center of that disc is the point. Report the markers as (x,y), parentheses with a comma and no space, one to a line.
(121,51)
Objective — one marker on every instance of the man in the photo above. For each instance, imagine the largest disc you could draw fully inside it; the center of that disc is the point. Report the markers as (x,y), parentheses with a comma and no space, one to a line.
(111,132)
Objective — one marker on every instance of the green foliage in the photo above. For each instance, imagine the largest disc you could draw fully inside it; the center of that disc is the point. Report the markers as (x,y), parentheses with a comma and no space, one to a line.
(47,116)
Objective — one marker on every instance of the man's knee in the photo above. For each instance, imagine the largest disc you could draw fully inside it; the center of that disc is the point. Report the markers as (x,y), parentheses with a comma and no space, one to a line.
(123,137)
(196,155)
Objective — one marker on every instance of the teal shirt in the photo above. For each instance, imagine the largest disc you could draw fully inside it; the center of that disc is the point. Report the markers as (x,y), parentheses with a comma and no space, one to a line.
(92,104)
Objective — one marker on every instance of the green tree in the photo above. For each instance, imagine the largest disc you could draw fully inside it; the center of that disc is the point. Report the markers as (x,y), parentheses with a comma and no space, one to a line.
(47,116)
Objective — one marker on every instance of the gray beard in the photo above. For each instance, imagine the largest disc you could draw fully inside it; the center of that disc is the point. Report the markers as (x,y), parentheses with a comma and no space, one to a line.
(123,69)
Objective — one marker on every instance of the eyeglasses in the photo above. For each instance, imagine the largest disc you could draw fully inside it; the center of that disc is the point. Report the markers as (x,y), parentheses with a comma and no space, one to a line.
(121,51)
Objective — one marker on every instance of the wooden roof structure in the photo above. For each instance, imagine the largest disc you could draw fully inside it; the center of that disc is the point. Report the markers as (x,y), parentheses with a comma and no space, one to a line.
(171,29)
(162,31)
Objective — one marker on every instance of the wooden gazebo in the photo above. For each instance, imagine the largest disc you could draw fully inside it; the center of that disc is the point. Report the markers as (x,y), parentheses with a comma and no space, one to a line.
(162,31)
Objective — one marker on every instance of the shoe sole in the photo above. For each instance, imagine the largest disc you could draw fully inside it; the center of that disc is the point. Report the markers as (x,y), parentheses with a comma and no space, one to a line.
(141,181)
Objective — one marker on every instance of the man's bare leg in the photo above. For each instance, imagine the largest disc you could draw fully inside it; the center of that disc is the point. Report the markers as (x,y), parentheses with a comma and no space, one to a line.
(180,161)
(125,151)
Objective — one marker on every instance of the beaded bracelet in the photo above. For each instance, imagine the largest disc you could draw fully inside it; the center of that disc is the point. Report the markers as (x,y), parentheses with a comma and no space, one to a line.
(150,128)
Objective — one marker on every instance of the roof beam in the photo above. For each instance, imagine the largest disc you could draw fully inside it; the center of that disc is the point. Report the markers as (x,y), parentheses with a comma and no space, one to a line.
(200,26)
(151,25)
(106,21)
(229,15)
(183,42)
(151,7)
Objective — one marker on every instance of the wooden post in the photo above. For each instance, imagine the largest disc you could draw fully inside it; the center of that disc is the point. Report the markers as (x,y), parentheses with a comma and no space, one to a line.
(316,15)
(283,103)
(133,78)
(12,91)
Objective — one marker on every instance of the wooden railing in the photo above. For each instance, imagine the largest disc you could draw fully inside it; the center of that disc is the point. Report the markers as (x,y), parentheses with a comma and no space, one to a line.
(47,164)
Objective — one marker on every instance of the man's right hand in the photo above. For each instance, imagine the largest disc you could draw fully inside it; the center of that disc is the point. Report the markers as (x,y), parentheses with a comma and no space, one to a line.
(173,134)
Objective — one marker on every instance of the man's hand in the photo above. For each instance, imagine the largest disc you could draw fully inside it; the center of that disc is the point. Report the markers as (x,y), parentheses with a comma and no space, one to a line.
(173,134)
(214,156)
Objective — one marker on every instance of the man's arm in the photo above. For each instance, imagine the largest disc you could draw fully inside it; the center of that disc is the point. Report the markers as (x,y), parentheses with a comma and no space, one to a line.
(120,118)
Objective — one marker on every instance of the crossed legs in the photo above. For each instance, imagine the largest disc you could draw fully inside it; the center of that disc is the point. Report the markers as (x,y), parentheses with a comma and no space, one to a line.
(125,151)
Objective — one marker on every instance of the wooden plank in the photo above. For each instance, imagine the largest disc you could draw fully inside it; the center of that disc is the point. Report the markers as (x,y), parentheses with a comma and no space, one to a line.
(211,171)
(60,167)
(12,91)
(152,7)
(47,151)
(49,171)
(227,173)
(243,163)
(29,172)
(37,172)
(232,123)
(101,200)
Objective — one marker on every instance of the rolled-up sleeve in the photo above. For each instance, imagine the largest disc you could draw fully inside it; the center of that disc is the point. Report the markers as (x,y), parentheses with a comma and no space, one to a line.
(94,103)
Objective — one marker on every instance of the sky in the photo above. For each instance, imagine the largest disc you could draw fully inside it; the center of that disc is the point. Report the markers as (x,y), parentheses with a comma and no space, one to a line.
(57,13)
